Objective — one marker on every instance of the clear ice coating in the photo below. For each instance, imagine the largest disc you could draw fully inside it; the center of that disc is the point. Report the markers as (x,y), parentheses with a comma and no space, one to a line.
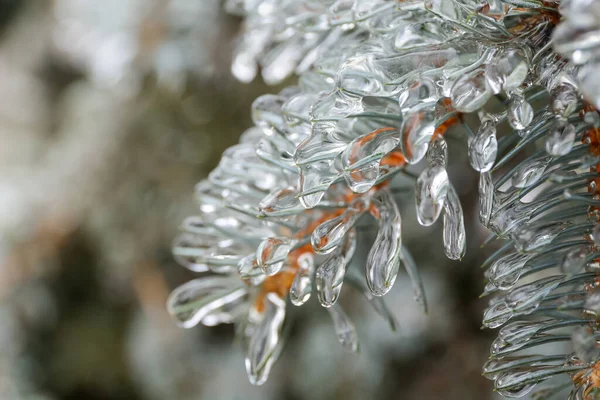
(531,237)
(486,198)
(520,113)
(455,240)
(560,140)
(344,328)
(264,341)
(380,84)
(362,156)
(563,100)
(417,129)
(301,288)
(207,301)
(329,279)
(483,147)
(330,234)
(432,185)
(272,253)
(384,257)
(470,92)
(529,172)
(507,71)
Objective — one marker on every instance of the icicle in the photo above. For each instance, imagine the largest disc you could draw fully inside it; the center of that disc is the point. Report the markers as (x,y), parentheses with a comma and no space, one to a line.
(455,241)
(344,328)
(301,288)
(383,260)
(361,158)
(264,342)
(195,301)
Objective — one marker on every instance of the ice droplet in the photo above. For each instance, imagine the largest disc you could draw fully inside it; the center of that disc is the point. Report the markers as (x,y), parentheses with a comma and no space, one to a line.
(272,253)
(362,156)
(520,113)
(264,341)
(529,172)
(483,148)
(301,288)
(432,186)
(329,235)
(561,139)
(383,260)
(469,93)
(344,328)
(455,242)
(329,279)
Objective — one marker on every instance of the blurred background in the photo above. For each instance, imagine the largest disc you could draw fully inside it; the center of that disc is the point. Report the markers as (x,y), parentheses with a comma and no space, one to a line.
(110,112)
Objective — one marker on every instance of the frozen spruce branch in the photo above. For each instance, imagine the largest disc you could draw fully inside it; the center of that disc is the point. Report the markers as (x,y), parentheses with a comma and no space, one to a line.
(381,85)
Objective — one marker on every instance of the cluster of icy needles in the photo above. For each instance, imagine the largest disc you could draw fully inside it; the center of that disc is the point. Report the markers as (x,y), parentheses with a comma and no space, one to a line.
(380,84)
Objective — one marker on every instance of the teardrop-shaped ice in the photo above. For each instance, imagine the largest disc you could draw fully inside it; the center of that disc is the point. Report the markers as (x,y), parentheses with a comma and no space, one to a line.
(301,288)
(527,298)
(272,253)
(529,172)
(497,314)
(469,93)
(532,237)
(561,139)
(329,235)
(455,240)
(383,260)
(574,261)
(520,113)
(280,202)
(496,366)
(329,279)
(418,126)
(195,300)
(519,332)
(362,156)
(264,343)
(505,272)
(506,220)
(585,345)
(486,198)
(483,147)
(507,71)
(563,100)
(509,383)
(432,186)
(344,328)
(517,382)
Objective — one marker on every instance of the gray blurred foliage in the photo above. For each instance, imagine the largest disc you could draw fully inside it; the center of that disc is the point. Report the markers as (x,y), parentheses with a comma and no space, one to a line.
(111,111)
